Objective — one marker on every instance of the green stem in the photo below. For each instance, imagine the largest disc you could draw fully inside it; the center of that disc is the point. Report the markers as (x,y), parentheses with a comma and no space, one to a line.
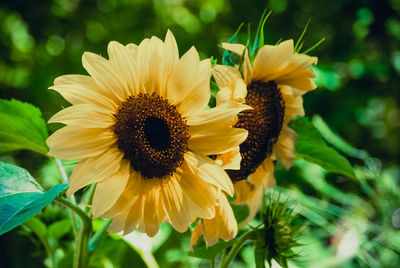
(99,235)
(81,257)
(65,179)
(89,198)
(236,248)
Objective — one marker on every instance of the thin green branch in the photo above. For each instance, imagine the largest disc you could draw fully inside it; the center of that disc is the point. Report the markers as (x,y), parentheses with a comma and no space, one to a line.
(81,257)
(99,235)
(236,248)
(65,179)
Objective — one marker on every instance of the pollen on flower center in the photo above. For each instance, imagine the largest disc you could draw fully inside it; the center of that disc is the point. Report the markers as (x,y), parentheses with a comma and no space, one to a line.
(264,124)
(152,134)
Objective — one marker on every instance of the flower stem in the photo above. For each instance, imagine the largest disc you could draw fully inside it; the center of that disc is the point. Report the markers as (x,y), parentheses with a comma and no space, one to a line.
(65,179)
(99,235)
(81,257)
(236,248)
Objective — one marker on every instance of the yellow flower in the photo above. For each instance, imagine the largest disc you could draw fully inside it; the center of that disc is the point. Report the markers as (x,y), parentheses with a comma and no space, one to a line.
(139,128)
(273,86)
(223,225)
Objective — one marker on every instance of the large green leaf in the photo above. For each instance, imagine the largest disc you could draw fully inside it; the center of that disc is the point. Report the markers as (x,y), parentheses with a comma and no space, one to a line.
(21,197)
(311,147)
(22,127)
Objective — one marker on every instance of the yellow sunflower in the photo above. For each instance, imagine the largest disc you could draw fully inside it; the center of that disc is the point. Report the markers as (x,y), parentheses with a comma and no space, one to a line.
(138,126)
(273,86)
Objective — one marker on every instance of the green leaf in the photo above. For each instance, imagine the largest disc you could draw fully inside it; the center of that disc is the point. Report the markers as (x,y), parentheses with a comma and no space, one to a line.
(208,253)
(37,226)
(21,197)
(311,147)
(60,228)
(241,212)
(22,127)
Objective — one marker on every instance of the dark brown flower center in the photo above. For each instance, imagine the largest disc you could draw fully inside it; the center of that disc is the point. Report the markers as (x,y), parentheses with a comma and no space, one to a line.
(152,134)
(264,124)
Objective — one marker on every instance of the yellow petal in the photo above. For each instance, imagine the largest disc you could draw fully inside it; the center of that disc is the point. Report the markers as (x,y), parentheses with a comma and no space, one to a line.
(293,107)
(230,160)
(222,115)
(108,191)
(201,195)
(247,70)
(224,95)
(223,225)
(106,75)
(95,169)
(211,141)
(151,220)
(269,166)
(124,60)
(84,115)
(285,146)
(71,142)
(235,48)
(209,171)
(227,223)
(272,59)
(183,75)
(225,76)
(82,89)
(176,209)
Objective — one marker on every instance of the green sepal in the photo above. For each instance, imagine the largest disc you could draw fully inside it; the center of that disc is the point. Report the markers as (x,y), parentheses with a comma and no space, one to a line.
(259,38)
(226,58)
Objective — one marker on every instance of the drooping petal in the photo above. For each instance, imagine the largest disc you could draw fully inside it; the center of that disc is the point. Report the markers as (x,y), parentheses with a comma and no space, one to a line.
(209,171)
(230,160)
(235,48)
(222,226)
(247,69)
(285,146)
(200,195)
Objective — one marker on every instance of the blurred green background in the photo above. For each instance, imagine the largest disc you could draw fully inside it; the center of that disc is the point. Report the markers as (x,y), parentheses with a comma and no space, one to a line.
(357,97)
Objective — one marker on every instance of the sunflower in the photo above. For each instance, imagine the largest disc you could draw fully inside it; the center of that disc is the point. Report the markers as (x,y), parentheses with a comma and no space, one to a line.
(273,86)
(138,126)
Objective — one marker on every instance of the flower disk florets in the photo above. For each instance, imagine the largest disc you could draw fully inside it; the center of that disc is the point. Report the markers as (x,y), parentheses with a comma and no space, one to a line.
(264,123)
(152,134)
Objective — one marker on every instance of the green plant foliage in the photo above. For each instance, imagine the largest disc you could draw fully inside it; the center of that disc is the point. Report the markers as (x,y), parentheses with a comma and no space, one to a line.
(21,197)
(22,127)
(241,212)
(60,228)
(208,253)
(311,147)
(37,226)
